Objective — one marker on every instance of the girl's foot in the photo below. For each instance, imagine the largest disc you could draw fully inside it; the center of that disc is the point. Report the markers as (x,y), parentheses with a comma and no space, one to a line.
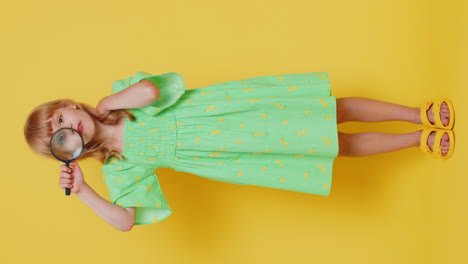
(444,143)
(444,114)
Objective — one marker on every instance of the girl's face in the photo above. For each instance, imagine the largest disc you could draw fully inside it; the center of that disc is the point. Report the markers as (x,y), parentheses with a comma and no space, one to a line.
(76,119)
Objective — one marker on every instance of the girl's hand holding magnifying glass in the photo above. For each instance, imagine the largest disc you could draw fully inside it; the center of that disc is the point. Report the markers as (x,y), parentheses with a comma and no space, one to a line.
(72,177)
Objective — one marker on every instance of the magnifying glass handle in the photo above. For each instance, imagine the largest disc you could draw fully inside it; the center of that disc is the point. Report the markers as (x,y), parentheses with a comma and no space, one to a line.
(67,190)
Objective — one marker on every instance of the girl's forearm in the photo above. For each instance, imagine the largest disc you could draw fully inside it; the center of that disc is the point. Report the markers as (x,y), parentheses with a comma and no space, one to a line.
(136,95)
(113,214)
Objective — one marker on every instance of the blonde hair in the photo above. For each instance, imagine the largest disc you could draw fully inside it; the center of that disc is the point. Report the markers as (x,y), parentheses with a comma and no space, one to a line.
(38,129)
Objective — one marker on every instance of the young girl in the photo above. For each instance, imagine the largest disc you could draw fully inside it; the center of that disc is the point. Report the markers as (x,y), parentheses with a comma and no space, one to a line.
(277,131)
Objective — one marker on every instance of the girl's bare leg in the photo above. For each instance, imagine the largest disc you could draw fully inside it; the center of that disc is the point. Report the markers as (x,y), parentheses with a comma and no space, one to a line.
(362,109)
(371,143)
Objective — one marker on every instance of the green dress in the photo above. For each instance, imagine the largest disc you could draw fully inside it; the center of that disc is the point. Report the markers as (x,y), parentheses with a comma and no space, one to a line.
(277,131)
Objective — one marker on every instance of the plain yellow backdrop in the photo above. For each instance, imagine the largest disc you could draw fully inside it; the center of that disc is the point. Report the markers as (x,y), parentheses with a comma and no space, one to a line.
(399,207)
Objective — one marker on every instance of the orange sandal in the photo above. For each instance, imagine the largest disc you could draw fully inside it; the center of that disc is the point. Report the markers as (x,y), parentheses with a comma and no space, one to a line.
(437,148)
(436,110)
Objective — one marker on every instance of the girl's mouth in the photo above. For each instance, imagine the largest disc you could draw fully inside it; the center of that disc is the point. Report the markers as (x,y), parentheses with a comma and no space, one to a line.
(80,128)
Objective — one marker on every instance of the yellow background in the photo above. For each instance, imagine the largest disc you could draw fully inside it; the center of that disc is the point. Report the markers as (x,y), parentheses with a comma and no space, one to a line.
(399,207)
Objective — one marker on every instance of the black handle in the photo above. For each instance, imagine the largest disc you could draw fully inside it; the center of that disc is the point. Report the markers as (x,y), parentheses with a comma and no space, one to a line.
(67,190)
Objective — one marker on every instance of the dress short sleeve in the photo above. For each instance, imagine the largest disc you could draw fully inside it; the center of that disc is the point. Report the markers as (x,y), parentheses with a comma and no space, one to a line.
(132,185)
(171,87)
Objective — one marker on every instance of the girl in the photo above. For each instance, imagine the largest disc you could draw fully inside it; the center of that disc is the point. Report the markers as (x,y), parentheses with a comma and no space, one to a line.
(277,131)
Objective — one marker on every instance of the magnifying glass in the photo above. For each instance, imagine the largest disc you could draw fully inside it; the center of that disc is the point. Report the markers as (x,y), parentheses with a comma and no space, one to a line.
(67,145)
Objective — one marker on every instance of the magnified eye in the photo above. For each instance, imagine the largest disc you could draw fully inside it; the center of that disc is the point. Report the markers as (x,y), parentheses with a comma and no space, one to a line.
(61,139)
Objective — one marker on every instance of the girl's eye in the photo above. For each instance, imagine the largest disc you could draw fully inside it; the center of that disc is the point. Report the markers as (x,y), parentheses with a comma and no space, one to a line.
(60,120)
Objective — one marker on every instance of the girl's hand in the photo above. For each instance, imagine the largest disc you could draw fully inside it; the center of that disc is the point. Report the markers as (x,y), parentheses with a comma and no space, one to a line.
(100,108)
(71,177)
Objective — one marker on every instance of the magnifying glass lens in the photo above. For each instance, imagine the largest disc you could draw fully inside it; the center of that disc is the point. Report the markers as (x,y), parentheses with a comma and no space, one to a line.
(66,144)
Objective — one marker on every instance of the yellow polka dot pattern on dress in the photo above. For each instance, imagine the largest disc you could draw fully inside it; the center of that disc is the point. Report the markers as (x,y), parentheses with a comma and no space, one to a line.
(270,131)
(306,138)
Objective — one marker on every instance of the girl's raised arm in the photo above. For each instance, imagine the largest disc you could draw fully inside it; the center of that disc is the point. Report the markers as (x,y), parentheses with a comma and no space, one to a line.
(136,95)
